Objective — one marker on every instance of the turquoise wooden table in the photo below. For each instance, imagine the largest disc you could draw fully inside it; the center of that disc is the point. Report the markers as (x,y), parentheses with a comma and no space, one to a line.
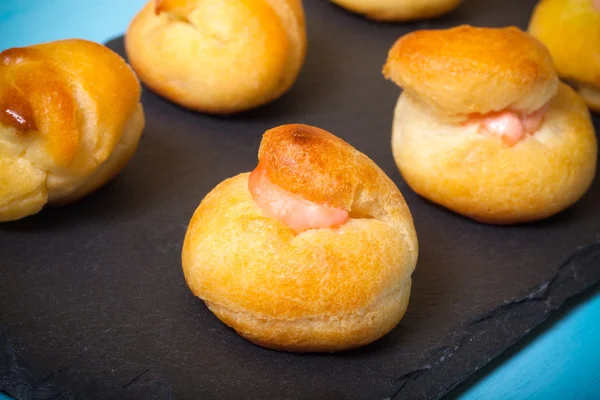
(561,360)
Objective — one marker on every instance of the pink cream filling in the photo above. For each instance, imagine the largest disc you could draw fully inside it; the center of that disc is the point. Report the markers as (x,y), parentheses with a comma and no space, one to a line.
(511,126)
(292,209)
(597,5)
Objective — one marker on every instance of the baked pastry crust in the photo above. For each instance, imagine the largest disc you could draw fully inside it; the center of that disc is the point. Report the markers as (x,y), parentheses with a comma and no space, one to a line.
(71,119)
(482,178)
(465,70)
(399,10)
(218,57)
(317,290)
(455,82)
(571,31)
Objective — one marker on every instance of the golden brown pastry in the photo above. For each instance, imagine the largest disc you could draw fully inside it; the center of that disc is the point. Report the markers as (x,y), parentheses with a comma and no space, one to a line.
(484,127)
(399,10)
(218,57)
(312,251)
(70,119)
(571,31)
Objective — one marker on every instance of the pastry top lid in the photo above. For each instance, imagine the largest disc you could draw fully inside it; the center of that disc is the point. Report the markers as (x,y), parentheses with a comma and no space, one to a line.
(467,69)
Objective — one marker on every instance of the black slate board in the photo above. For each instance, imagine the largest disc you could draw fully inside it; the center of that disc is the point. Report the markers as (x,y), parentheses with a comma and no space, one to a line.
(93,295)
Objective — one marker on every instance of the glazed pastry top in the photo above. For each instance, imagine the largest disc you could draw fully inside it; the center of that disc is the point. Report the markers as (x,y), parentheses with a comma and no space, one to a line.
(466,70)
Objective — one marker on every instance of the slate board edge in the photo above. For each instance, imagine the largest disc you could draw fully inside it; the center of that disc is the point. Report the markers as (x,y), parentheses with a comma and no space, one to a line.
(21,380)
(580,270)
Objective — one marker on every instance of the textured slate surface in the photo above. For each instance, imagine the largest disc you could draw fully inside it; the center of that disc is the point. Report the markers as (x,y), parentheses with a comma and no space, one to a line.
(93,295)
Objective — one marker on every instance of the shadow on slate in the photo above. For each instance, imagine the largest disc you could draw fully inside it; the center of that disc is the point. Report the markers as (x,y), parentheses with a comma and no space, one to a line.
(93,294)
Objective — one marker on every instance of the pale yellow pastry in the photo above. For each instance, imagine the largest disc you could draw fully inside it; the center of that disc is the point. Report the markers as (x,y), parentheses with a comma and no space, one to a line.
(399,10)
(483,126)
(218,57)
(70,119)
(312,251)
(571,31)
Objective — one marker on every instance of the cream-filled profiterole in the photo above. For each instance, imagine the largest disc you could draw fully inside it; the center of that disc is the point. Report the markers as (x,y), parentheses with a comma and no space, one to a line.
(312,251)
(218,57)
(70,120)
(484,127)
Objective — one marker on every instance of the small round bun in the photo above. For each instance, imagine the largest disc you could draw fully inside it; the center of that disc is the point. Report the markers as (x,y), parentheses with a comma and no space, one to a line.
(317,290)
(466,70)
(70,119)
(399,10)
(218,57)
(591,94)
(571,31)
(480,177)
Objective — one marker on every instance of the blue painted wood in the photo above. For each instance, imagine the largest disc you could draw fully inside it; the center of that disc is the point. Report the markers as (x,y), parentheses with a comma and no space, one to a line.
(26,22)
(563,362)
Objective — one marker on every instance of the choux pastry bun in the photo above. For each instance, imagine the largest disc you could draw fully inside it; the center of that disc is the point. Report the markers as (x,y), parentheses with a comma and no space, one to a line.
(571,31)
(311,252)
(70,119)
(398,10)
(483,126)
(218,57)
